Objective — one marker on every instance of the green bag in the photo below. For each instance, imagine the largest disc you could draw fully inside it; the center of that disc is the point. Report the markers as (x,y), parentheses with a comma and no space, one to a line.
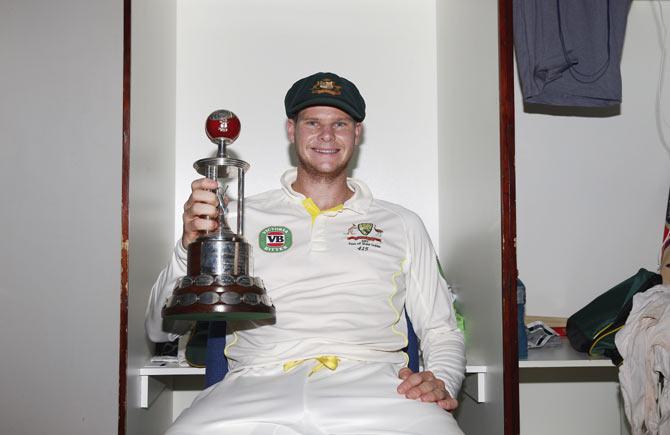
(592,329)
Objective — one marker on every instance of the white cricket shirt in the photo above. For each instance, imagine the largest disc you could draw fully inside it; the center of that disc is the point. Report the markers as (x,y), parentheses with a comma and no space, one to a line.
(339,282)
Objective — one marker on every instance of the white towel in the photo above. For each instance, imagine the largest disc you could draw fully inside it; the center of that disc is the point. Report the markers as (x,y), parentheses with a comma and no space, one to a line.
(644,344)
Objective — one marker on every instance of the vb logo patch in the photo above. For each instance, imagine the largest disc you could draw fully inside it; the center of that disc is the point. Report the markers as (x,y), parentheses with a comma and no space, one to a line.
(275,239)
(364,236)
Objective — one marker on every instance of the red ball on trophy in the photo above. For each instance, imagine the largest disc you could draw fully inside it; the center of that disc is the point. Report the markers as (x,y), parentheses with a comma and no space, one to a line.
(223,125)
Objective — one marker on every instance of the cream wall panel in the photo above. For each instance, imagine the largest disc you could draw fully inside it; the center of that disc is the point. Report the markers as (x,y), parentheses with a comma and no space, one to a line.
(60,166)
(555,408)
(469,181)
(151,208)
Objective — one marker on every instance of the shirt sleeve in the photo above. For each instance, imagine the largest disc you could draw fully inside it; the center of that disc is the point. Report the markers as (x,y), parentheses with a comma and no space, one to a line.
(429,305)
(160,330)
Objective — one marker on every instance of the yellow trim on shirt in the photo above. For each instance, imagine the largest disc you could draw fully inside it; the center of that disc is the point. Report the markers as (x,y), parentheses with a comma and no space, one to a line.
(314,209)
(225,349)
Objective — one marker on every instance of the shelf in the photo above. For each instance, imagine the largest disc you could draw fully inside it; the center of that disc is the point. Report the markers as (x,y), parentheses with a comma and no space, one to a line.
(151,385)
(170,369)
(561,356)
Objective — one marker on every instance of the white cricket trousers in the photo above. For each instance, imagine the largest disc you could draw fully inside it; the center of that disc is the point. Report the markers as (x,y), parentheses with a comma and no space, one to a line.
(357,398)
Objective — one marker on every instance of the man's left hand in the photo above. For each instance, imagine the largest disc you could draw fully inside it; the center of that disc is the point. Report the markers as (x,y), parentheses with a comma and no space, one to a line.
(426,387)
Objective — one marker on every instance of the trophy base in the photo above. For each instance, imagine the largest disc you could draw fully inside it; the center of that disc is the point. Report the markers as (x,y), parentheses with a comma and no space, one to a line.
(219,300)
(215,317)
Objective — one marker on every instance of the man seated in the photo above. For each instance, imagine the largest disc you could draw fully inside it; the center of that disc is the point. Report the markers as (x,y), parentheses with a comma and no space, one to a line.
(332,361)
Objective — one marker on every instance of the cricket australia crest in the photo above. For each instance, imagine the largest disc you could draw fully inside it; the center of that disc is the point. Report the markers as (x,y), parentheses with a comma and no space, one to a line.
(365,235)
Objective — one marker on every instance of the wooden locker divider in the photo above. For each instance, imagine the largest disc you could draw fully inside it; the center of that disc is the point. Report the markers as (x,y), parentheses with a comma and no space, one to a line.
(508,211)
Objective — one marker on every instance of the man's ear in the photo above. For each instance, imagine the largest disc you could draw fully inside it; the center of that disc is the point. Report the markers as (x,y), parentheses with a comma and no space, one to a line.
(290,130)
(358,133)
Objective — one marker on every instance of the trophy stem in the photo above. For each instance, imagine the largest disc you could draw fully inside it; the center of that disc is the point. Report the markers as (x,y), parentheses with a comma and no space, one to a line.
(211,174)
(240,201)
(223,225)
(222,148)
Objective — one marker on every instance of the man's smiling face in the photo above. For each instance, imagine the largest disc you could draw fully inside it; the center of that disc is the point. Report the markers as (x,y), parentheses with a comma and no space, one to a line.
(324,139)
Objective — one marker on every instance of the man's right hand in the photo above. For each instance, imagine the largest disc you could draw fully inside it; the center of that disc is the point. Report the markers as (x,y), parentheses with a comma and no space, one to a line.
(200,210)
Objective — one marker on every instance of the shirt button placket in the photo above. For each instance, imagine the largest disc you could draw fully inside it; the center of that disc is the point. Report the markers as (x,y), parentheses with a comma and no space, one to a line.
(319,233)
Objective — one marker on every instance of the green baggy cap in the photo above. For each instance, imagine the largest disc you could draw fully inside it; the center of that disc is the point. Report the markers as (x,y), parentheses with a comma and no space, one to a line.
(325,89)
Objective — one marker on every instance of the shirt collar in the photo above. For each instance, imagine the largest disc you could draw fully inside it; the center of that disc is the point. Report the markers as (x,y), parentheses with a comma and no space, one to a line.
(360,201)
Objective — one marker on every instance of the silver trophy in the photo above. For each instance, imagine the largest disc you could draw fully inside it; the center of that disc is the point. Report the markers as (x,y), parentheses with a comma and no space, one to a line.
(218,284)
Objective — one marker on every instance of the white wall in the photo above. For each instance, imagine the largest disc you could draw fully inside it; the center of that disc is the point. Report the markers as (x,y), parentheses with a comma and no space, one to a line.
(233,57)
(570,401)
(469,184)
(151,207)
(60,167)
(592,192)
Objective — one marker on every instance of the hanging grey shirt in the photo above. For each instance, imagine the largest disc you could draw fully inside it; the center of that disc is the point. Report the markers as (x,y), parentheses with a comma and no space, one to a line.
(569,51)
